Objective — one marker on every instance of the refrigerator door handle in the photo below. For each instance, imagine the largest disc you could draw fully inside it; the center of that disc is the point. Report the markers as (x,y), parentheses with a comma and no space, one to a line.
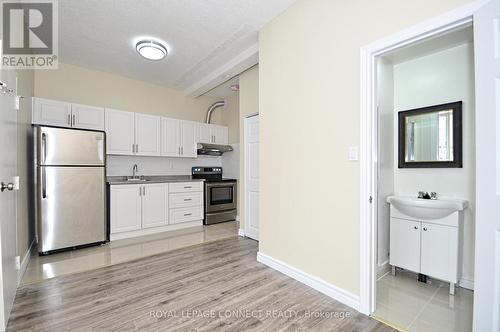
(44,183)
(44,147)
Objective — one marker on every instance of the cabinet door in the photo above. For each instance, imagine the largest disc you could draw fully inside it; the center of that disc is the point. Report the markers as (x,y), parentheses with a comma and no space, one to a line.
(220,134)
(205,133)
(119,132)
(125,208)
(87,117)
(154,205)
(439,251)
(51,112)
(147,135)
(170,146)
(188,139)
(405,244)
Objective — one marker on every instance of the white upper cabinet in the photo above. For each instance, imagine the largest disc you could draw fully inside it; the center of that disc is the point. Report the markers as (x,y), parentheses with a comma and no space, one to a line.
(214,134)
(170,132)
(188,139)
(147,135)
(220,134)
(51,112)
(205,133)
(87,117)
(119,132)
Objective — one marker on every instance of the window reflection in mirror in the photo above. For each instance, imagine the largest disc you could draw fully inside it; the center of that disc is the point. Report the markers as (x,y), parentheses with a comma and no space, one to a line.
(431,136)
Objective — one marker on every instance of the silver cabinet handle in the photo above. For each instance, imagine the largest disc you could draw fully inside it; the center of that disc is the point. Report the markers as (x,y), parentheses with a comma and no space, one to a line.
(416,227)
(137,148)
(74,120)
(187,214)
(133,148)
(140,191)
(7,186)
(144,191)
(425,229)
(187,199)
(188,187)
(69,119)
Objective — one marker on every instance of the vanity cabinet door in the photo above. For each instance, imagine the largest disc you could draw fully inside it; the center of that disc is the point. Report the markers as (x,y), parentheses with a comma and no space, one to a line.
(405,244)
(439,251)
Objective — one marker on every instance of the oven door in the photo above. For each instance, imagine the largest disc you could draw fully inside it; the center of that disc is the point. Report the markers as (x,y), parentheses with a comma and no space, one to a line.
(220,196)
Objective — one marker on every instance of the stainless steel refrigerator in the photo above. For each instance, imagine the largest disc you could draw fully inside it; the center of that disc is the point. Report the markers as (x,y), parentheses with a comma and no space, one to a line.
(70,186)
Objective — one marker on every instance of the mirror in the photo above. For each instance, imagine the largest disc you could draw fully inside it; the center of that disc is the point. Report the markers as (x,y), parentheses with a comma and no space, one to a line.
(431,137)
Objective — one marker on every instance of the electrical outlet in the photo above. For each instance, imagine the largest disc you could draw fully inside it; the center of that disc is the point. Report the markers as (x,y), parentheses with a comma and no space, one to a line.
(18,262)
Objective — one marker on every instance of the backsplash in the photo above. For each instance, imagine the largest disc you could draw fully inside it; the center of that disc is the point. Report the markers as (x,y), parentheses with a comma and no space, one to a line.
(122,165)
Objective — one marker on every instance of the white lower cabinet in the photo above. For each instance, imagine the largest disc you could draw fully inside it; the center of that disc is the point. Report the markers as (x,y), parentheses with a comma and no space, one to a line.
(154,205)
(141,209)
(125,208)
(429,247)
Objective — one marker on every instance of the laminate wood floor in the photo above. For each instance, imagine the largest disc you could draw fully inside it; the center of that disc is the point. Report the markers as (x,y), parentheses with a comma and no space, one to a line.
(216,286)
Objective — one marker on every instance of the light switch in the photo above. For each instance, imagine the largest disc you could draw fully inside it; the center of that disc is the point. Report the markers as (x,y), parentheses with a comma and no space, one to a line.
(353,153)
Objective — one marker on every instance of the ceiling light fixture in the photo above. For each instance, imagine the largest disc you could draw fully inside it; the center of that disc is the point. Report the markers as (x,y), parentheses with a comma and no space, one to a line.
(151,50)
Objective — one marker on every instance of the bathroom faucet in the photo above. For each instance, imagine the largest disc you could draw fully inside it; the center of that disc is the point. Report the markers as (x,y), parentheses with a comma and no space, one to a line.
(134,171)
(426,195)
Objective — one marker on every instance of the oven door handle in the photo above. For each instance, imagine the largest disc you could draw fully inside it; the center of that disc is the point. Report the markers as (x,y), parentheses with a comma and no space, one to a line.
(221,185)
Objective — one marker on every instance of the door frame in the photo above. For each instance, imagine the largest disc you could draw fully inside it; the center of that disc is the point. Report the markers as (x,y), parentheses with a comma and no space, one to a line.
(245,168)
(449,21)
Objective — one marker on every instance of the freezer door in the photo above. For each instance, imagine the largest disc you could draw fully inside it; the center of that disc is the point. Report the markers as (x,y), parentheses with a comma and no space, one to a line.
(71,206)
(66,147)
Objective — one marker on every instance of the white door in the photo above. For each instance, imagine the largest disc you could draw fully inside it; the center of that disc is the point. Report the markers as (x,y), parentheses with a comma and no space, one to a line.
(170,146)
(154,205)
(119,132)
(147,135)
(439,252)
(252,177)
(220,134)
(205,133)
(87,117)
(188,139)
(487,252)
(8,169)
(405,244)
(51,112)
(125,208)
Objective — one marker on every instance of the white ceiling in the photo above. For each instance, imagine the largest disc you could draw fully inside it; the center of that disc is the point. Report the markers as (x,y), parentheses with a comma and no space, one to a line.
(432,45)
(202,36)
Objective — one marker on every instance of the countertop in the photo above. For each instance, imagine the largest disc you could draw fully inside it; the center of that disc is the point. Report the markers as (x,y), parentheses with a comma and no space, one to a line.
(116,180)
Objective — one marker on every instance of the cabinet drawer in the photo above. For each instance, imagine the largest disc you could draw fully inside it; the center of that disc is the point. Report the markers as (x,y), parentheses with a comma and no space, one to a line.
(179,200)
(185,187)
(185,214)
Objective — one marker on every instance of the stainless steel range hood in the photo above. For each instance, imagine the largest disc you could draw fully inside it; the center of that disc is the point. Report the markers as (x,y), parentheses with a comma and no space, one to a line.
(213,149)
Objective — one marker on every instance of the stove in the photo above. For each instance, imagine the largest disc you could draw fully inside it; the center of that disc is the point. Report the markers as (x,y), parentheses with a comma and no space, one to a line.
(220,194)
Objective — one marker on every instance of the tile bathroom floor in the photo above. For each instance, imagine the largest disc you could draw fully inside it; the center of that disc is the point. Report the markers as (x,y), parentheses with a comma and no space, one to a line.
(46,267)
(410,305)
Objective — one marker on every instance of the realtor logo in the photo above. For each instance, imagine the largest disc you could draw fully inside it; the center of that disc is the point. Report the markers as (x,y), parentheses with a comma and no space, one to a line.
(29,34)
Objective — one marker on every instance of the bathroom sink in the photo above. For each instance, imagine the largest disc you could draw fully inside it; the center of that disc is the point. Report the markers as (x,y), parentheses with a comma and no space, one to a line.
(427,208)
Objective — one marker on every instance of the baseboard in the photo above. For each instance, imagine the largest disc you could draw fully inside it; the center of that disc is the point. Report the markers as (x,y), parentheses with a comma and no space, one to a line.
(383,268)
(24,263)
(155,230)
(466,283)
(318,284)
(241,232)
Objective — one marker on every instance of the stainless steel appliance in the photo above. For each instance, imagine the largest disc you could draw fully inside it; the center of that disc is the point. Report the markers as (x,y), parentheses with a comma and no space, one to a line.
(70,187)
(220,195)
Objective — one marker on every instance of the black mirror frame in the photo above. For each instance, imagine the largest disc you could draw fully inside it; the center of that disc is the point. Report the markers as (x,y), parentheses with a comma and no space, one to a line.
(457,137)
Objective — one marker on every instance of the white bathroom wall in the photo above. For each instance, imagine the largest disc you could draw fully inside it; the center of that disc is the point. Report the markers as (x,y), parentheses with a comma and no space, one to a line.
(439,78)
(122,165)
(385,96)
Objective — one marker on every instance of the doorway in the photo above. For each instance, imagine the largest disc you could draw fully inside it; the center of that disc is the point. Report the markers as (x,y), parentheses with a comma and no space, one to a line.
(252,177)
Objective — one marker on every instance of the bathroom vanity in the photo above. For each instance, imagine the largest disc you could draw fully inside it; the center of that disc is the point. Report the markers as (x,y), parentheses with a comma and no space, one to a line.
(426,235)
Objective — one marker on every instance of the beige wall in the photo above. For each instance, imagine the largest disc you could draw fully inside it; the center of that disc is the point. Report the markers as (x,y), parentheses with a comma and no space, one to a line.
(231,117)
(85,86)
(309,116)
(24,199)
